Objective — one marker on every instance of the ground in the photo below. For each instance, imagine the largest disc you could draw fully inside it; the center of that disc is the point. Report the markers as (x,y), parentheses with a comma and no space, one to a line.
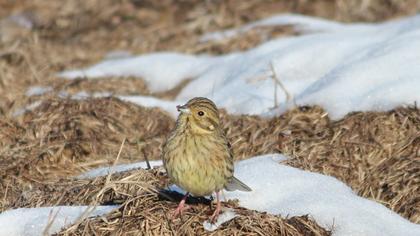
(376,153)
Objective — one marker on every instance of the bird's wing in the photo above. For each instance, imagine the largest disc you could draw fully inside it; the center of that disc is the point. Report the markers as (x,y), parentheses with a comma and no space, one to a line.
(234,183)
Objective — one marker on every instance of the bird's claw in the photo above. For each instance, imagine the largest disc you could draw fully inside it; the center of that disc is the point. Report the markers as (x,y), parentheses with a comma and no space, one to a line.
(179,210)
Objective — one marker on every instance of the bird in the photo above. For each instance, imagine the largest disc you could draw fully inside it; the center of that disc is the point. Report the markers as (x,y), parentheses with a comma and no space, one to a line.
(197,155)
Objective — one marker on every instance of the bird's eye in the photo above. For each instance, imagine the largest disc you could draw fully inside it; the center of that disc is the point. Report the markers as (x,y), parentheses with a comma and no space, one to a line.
(201,113)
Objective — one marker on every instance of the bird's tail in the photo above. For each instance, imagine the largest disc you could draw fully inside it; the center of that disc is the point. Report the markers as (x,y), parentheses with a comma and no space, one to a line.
(236,184)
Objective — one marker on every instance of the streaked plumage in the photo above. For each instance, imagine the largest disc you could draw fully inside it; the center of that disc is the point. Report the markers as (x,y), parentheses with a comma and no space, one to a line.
(197,155)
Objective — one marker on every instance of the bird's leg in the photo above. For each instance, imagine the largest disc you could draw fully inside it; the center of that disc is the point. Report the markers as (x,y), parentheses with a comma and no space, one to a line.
(218,207)
(181,207)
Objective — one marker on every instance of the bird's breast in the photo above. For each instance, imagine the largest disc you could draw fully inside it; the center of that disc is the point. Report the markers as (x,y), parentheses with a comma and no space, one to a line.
(197,163)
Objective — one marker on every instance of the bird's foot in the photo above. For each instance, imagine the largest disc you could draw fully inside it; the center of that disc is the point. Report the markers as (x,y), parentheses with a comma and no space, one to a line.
(179,210)
(215,215)
(181,207)
(216,212)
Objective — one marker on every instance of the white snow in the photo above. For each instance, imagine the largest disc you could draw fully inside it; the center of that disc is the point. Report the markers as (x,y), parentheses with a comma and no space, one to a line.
(155,69)
(83,95)
(288,191)
(30,107)
(342,67)
(147,101)
(303,24)
(226,216)
(116,169)
(38,90)
(45,220)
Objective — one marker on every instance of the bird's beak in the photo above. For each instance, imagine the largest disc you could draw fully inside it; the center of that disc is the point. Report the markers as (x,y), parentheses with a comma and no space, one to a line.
(183,109)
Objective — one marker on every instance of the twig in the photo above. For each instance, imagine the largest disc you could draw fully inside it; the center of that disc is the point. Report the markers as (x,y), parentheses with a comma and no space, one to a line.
(108,178)
(278,82)
(276,104)
(89,209)
(145,156)
(51,218)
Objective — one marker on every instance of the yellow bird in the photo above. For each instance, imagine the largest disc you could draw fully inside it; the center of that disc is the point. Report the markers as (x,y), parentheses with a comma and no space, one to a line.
(197,155)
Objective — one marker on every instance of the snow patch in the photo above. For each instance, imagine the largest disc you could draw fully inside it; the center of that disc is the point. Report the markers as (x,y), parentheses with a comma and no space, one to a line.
(34,221)
(303,24)
(103,171)
(346,68)
(161,71)
(147,101)
(226,216)
(38,90)
(283,190)
(30,107)
(288,191)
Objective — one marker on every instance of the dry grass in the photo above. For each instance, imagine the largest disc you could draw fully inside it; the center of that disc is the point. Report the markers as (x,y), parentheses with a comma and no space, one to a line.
(62,137)
(377,154)
(145,211)
(144,216)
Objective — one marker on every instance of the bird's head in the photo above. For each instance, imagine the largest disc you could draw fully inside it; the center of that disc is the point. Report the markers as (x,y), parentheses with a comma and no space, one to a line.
(201,114)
